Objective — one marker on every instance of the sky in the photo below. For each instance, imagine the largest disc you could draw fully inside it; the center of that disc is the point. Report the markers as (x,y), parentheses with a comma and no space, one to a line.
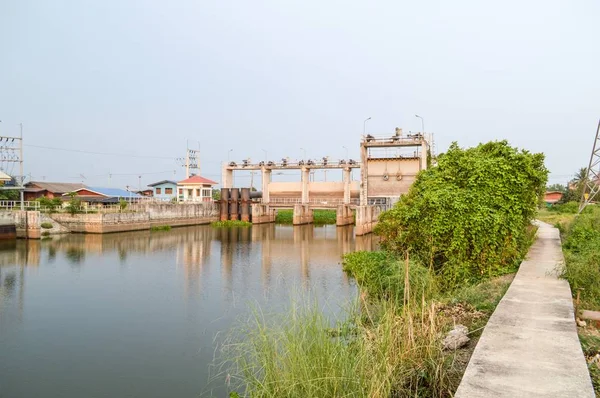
(136,81)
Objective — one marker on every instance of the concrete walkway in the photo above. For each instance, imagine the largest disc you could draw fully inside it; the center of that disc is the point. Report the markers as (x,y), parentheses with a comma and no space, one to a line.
(530,348)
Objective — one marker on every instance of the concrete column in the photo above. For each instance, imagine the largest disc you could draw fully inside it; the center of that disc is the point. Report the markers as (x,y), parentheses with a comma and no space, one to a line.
(305,180)
(233,206)
(266,180)
(364,174)
(424,151)
(347,180)
(226,177)
(224,204)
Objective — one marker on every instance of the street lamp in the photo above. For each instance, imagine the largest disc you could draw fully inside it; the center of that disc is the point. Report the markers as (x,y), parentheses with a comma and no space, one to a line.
(422,124)
(344,146)
(365,125)
(228,152)
(266,155)
(304,151)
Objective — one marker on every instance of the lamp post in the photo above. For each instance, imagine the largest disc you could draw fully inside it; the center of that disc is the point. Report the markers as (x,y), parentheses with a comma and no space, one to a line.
(304,151)
(266,154)
(365,125)
(228,153)
(422,124)
(344,146)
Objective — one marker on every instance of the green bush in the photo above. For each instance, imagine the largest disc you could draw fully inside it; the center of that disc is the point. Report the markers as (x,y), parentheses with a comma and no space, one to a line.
(46,233)
(46,225)
(468,218)
(565,208)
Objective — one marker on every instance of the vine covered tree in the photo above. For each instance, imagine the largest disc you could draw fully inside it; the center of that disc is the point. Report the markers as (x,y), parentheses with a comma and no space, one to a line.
(470,216)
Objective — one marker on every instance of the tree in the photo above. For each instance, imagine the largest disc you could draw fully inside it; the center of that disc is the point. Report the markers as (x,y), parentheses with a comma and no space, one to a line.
(580,176)
(74,205)
(556,187)
(10,194)
(469,217)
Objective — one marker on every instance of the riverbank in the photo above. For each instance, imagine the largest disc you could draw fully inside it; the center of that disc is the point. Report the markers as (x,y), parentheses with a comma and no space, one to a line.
(320,217)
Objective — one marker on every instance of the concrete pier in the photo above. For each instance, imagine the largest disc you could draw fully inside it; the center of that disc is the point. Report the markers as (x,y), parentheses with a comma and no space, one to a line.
(303,214)
(366,219)
(262,214)
(344,216)
(529,347)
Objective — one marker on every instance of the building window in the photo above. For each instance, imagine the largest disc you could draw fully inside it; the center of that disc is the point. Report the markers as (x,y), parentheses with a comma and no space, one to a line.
(168,191)
(198,192)
(158,191)
(181,191)
(206,192)
(190,192)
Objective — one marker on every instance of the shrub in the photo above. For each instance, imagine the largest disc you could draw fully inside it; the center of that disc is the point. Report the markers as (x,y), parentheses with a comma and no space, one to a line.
(46,225)
(468,217)
(46,233)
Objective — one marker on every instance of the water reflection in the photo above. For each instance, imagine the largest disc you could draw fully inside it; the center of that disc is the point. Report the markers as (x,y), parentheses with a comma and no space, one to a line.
(154,300)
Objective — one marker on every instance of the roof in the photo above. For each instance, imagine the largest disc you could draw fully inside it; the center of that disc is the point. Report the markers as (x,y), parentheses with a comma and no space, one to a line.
(111,192)
(4,176)
(163,182)
(56,187)
(552,192)
(198,180)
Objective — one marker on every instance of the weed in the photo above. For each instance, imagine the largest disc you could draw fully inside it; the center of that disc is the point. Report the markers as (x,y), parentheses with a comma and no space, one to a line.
(160,228)
(46,225)
(230,223)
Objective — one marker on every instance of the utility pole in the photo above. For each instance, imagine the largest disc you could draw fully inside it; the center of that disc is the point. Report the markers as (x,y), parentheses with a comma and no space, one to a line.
(187,161)
(11,151)
(592,178)
(22,179)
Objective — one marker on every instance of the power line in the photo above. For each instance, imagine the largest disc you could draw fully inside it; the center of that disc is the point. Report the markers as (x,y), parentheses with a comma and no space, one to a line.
(99,153)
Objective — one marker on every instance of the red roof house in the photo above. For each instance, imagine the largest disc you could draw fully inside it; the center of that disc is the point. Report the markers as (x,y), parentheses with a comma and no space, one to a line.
(195,189)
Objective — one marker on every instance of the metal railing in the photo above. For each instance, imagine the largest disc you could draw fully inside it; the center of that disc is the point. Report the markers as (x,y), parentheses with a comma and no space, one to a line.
(312,201)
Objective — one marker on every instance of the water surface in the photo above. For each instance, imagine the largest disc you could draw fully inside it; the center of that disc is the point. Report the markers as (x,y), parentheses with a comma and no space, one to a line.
(139,314)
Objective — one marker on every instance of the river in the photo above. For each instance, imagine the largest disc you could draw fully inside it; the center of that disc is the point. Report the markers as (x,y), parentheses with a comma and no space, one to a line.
(140,314)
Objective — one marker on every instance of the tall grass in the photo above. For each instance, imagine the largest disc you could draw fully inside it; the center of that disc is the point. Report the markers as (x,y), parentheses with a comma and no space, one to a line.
(387,349)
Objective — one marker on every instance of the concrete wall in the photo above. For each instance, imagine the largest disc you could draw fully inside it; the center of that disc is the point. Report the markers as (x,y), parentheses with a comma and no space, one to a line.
(319,189)
(262,214)
(56,227)
(144,217)
(378,187)
(366,219)
(8,229)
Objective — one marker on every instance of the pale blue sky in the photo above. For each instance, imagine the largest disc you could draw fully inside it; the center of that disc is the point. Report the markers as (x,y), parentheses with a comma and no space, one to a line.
(141,77)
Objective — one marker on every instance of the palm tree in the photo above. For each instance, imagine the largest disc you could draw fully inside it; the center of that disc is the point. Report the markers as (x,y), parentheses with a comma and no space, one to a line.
(580,176)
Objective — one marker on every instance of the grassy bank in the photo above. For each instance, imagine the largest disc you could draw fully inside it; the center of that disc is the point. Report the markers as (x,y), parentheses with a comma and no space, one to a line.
(321,217)
(581,240)
(230,224)
(379,348)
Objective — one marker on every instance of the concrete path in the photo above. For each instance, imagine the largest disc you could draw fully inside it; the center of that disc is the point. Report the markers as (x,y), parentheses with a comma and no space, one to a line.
(530,348)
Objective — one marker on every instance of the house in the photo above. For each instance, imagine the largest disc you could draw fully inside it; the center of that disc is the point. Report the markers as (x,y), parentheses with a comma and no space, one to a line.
(195,189)
(38,189)
(146,192)
(164,190)
(551,197)
(103,196)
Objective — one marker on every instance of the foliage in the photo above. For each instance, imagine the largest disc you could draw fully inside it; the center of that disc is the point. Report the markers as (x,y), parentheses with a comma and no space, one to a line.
(46,225)
(469,217)
(230,223)
(556,187)
(10,194)
(216,194)
(582,257)
(45,233)
(49,204)
(122,204)
(320,217)
(381,275)
(74,205)
(565,208)
(160,228)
